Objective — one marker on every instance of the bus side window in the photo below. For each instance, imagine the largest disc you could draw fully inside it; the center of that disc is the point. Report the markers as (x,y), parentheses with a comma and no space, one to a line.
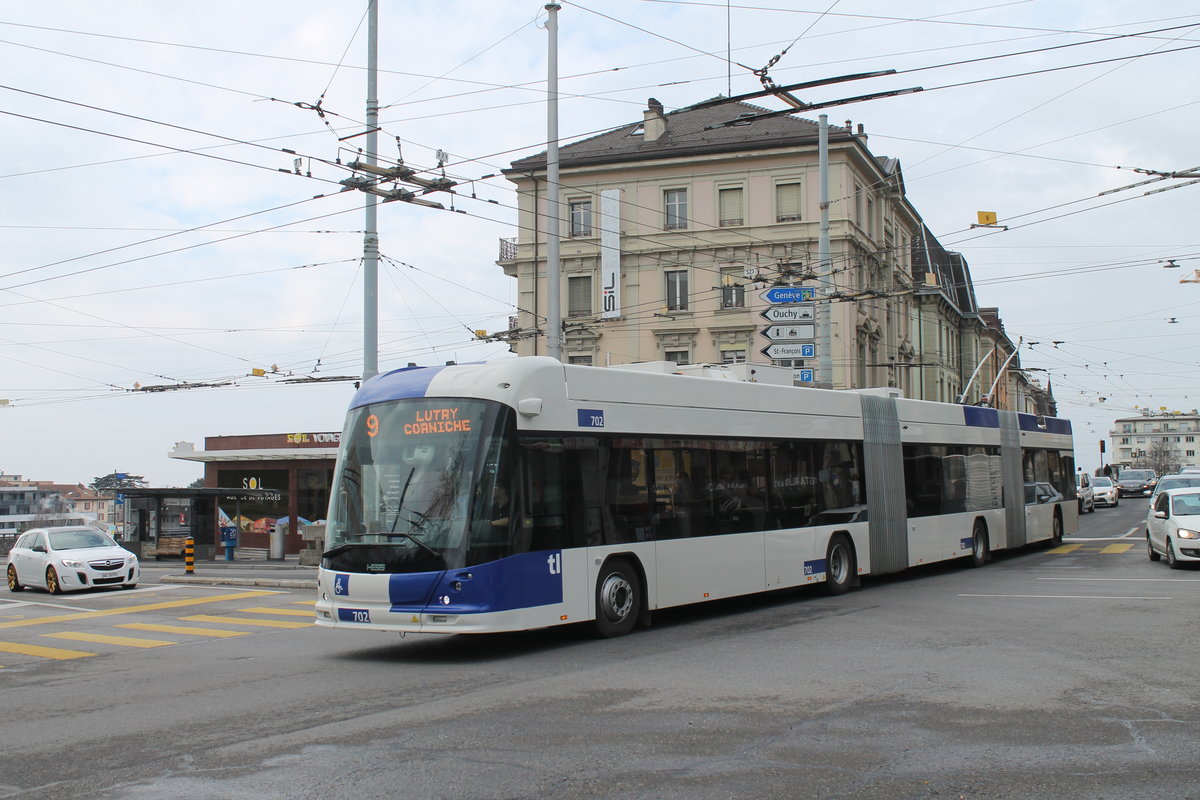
(544,525)
(629,486)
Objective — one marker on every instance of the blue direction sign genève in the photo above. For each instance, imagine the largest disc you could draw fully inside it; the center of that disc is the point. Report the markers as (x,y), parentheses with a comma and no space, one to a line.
(788,294)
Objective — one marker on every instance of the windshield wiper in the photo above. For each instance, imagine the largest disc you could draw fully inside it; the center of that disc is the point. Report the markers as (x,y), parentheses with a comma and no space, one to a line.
(421,545)
(343,548)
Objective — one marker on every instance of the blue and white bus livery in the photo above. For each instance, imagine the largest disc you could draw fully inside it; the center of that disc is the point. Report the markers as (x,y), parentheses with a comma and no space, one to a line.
(525,493)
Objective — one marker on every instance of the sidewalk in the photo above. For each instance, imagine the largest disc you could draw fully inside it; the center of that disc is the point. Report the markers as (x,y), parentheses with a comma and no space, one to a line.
(285,574)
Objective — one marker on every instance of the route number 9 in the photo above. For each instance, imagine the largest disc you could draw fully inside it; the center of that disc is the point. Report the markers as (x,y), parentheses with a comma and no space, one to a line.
(372,425)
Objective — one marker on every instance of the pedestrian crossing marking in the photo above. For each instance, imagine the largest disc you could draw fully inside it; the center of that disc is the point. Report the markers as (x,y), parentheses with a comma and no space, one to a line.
(92,615)
(213,632)
(102,638)
(1095,546)
(262,623)
(283,612)
(56,653)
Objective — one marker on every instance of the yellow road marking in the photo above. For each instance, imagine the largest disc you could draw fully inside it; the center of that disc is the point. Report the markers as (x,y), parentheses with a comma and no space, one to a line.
(1066,548)
(283,612)
(309,603)
(42,652)
(101,638)
(214,632)
(1118,548)
(90,615)
(262,623)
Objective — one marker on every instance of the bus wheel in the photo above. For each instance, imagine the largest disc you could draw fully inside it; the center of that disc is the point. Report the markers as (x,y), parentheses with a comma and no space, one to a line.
(839,565)
(979,545)
(1056,535)
(618,598)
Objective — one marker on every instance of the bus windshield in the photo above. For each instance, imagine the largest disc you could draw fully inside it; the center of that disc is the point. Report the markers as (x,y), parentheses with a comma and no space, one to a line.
(416,482)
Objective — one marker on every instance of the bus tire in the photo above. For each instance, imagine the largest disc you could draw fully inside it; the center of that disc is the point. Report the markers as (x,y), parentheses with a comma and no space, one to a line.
(840,568)
(1057,536)
(979,544)
(618,598)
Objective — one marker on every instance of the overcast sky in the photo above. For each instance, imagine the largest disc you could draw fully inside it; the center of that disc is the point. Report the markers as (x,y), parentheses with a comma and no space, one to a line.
(156,233)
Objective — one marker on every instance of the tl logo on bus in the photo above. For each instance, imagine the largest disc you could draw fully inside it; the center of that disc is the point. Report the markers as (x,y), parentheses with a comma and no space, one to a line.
(555,563)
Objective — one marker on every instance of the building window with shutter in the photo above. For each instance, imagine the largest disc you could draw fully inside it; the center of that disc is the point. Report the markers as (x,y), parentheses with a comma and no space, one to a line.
(675,208)
(583,361)
(733,356)
(788,202)
(733,291)
(579,296)
(730,203)
(677,290)
(581,218)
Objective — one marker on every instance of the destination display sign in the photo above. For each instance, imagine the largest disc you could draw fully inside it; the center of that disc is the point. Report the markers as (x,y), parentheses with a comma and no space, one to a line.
(781,350)
(799,312)
(787,294)
(790,333)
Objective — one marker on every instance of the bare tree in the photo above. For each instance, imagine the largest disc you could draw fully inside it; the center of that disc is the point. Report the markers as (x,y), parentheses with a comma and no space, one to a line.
(1162,457)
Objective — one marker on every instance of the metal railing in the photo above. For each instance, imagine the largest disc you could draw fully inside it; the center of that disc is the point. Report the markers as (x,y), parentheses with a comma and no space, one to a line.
(508,249)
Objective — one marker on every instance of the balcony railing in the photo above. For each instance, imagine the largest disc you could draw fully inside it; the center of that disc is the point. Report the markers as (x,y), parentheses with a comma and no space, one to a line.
(508,249)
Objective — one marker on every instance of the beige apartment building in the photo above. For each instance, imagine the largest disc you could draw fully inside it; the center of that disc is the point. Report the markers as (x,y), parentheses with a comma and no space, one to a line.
(1156,436)
(688,236)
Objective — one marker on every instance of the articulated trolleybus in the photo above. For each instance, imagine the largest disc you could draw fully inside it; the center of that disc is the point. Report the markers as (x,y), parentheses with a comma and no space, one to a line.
(525,493)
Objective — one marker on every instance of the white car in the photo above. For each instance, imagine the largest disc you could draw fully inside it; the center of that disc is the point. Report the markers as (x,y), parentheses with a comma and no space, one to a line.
(1084,493)
(1173,527)
(1104,492)
(69,559)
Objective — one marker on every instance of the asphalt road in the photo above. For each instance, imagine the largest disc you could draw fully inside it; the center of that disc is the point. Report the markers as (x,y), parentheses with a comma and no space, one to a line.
(1049,673)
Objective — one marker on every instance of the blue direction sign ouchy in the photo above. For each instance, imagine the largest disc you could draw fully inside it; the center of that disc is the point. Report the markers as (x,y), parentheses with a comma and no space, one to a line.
(788,294)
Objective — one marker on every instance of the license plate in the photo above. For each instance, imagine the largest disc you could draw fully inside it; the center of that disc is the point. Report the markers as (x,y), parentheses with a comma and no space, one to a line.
(354,615)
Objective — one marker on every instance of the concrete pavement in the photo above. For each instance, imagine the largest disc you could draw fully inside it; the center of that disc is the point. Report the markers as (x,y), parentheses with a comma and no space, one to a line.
(286,574)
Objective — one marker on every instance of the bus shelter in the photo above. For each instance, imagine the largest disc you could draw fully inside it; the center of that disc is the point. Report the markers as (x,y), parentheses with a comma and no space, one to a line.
(158,521)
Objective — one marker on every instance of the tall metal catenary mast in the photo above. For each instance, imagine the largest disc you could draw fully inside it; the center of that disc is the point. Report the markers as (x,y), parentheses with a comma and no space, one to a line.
(370,234)
(553,231)
(824,310)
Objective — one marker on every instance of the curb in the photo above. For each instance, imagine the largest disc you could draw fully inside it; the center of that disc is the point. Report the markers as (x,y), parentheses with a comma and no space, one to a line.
(281,583)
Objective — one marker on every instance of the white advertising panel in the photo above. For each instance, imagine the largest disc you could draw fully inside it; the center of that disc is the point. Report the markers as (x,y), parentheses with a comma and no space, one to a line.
(610,253)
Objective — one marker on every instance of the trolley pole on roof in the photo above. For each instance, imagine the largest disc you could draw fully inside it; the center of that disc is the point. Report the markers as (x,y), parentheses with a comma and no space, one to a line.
(553,263)
(371,233)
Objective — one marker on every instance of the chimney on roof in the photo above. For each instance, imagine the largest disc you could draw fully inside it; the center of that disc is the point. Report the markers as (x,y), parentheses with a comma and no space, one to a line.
(654,124)
(861,132)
